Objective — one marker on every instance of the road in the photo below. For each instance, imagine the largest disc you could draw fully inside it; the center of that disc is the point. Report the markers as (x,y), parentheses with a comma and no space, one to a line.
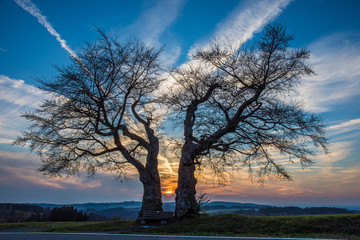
(105,236)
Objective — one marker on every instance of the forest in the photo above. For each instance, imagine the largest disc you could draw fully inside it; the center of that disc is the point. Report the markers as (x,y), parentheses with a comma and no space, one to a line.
(10,212)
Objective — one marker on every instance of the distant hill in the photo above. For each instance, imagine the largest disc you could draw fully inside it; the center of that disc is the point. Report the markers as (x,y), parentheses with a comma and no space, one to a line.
(236,204)
(293,211)
(115,213)
(95,206)
(221,204)
(103,211)
(130,209)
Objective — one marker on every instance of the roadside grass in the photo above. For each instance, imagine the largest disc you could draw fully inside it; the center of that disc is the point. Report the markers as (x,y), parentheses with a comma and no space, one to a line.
(345,226)
(107,226)
(314,226)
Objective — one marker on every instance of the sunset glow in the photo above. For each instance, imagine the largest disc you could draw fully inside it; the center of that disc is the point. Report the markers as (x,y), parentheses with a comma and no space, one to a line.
(48,33)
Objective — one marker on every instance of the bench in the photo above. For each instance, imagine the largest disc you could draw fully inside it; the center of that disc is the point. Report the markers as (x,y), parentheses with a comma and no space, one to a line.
(156,216)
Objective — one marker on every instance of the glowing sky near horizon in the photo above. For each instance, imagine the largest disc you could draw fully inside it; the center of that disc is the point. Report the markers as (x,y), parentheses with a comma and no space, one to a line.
(38,34)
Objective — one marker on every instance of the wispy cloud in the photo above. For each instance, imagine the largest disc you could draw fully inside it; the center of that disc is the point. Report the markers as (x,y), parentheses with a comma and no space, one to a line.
(20,182)
(339,151)
(343,127)
(334,176)
(155,20)
(15,97)
(31,8)
(20,167)
(346,124)
(239,26)
(16,91)
(171,54)
(2,50)
(6,141)
(336,59)
(246,19)
(249,18)
(317,185)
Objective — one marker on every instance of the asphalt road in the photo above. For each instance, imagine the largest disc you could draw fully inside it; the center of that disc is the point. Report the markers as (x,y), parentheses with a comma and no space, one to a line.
(104,236)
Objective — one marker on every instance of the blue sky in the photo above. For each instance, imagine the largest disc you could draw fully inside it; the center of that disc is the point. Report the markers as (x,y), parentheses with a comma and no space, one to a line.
(329,29)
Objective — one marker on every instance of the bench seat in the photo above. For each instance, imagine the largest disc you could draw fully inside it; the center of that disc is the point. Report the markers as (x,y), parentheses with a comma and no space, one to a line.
(161,216)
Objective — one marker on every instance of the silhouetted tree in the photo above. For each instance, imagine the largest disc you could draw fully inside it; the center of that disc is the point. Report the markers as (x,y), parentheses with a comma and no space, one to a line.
(235,115)
(67,213)
(97,115)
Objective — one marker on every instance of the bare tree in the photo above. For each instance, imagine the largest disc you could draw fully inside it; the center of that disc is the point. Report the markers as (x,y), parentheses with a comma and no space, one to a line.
(232,102)
(97,116)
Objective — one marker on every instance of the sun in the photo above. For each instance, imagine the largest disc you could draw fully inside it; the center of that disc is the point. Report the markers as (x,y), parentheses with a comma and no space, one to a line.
(169,192)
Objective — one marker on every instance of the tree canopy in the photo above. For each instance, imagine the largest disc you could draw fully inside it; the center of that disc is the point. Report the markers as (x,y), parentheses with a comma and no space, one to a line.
(97,114)
(236,114)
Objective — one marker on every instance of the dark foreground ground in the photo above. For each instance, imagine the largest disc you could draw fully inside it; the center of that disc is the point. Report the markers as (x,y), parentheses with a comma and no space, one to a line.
(345,226)
(104,236)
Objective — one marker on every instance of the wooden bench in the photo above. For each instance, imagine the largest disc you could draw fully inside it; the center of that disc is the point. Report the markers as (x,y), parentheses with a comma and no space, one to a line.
(156,216)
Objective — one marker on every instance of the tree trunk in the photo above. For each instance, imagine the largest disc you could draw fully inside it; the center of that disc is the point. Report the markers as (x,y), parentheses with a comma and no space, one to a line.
(186,204)
(152,193)
(150,178)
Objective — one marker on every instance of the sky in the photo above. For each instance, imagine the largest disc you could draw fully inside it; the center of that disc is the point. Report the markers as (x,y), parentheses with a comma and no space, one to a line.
(37,35)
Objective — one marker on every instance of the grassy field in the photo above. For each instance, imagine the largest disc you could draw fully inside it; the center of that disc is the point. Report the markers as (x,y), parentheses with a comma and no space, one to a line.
(317,226)
(108,226)
(324,226)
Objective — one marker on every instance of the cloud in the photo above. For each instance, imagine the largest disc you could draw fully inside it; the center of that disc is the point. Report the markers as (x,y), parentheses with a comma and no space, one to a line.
(336,60)
(19,167)
(347,126)
(31,8)
(21,182)
(239,26)
(248,18)
(15,97)
(171,55)
(13,176)
(339,151)
(17,92)
(329,178)
(6,141)
(2,50)
(155,20)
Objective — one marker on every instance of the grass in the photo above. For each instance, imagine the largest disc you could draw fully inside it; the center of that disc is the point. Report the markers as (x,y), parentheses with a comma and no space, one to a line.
(316,226)
(107,226)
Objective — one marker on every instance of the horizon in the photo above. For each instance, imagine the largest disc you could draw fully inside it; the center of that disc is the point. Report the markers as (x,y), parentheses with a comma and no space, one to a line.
(349,207)
(40,34)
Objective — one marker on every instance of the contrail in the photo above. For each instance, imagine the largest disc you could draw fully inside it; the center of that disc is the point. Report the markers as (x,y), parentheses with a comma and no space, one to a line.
(31,8)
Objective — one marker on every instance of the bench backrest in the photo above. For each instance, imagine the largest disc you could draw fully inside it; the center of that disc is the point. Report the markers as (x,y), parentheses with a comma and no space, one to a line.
(157,215)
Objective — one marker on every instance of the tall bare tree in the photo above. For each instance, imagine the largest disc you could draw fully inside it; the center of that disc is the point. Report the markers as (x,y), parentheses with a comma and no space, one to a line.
(235,115)
(97,116)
